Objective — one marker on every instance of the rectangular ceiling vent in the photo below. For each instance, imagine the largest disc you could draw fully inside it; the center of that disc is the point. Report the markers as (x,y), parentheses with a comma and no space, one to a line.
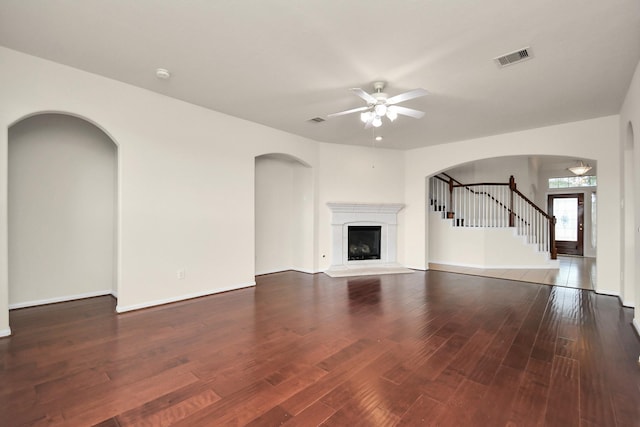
(514,57)
(317,120)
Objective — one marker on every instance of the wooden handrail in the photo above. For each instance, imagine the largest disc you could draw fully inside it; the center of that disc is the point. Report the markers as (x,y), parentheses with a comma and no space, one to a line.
(482,183)
(526,199)
(451,178)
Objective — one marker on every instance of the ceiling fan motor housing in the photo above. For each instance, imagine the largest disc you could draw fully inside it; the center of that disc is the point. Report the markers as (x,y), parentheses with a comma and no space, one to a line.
(380,97)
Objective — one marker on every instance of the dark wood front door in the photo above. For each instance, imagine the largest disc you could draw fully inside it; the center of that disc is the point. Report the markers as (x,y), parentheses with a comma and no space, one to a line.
(569,212)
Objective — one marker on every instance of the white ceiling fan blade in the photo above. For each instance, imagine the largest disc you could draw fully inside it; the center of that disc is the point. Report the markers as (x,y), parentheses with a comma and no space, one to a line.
(364,95)
(416,93)
(353,110)
(407,111)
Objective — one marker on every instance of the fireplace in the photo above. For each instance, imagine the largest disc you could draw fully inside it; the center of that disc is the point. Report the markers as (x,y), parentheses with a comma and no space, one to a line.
(364,242)
(364,237)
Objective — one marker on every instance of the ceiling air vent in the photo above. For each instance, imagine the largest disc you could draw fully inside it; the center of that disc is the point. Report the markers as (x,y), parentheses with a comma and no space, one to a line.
(514,57)
(317,120)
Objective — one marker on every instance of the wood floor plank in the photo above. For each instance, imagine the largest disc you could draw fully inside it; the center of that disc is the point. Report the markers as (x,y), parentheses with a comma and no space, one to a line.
(530,401)
(169,408)
(424,412)
(563,405)
(427,348)
(501,393)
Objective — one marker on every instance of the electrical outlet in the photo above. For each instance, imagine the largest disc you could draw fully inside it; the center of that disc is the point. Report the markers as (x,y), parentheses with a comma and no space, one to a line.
(180,274)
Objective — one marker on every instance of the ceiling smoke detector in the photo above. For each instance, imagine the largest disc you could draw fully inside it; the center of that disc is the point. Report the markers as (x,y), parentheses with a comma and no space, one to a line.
(514,57)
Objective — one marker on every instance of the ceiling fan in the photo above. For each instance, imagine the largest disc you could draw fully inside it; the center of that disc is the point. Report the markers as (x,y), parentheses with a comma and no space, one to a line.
(380,105)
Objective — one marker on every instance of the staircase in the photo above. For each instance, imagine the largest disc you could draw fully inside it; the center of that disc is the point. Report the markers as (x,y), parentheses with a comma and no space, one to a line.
(497,209)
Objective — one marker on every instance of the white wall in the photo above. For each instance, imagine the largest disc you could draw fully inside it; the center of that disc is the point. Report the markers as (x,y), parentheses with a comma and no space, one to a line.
(594,139)
(62,195)
(630,128)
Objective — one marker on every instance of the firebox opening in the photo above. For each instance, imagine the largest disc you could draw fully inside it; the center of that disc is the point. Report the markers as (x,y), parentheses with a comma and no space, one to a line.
(364,242)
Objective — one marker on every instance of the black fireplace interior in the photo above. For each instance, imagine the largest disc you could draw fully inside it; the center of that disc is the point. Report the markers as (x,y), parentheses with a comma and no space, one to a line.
(364,242)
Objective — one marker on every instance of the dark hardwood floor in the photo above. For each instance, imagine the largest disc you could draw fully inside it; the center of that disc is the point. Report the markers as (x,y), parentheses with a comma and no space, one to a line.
(430,348)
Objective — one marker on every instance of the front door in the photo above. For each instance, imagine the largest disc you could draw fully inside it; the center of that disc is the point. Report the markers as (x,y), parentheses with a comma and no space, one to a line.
(569,212)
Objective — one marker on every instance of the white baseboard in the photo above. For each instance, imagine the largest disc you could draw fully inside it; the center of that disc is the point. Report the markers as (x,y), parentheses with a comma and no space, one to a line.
(496,267)
(608,292)
(125,308)
(5,332)
(59,299)
(280,270)
(636,325)
(421,268)
(302,270)
(272,270)
(629,304)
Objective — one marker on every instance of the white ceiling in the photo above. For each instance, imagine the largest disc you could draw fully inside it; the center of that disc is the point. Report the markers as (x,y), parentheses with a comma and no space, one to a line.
(283,62)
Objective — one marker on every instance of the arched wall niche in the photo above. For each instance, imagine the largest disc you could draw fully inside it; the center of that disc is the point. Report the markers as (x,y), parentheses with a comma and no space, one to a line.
(82,117)
(72,177)
(284,157)
(284,214)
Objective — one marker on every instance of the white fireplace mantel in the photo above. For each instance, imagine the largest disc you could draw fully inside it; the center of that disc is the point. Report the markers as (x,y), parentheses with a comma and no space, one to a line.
(344,215)
(365,208)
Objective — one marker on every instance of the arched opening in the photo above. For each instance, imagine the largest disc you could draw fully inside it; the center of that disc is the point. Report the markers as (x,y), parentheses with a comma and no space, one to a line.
(489,244)
(284,202)
(62,210)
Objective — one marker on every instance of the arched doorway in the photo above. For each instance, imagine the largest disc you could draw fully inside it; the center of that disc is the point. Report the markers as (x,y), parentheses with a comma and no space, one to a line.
(539,178)
(284,206)
(62,210)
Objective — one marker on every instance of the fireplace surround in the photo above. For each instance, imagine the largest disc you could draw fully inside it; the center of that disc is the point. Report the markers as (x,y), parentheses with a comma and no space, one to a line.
(364,216)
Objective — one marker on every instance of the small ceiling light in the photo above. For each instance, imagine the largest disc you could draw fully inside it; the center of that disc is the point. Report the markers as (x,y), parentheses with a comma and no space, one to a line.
(581,169)
(378,138)
(163,74)
(365,117)
(377,122)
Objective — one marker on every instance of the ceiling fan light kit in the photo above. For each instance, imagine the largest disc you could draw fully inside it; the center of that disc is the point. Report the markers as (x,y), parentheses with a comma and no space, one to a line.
(379,105)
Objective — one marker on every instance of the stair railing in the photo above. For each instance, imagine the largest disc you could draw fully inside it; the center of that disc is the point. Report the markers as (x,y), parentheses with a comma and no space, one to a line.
(493,205)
